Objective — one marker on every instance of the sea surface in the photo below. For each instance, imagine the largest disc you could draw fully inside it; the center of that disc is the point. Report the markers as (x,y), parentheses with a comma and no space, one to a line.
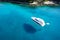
(16,22)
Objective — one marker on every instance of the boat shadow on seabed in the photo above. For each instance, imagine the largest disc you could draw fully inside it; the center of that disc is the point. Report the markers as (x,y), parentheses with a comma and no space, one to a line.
(29,28)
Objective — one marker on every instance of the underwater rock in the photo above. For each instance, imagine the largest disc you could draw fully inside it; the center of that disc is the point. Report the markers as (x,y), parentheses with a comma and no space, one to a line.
(29,28)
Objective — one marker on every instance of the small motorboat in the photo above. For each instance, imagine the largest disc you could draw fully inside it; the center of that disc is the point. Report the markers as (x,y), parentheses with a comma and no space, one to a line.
(39,21)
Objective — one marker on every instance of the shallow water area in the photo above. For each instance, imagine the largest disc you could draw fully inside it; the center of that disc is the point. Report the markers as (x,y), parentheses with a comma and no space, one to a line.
(15,22)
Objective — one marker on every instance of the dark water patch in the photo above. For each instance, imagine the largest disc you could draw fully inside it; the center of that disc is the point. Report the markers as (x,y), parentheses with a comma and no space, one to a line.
(56,37)
(1,29)
(29,28)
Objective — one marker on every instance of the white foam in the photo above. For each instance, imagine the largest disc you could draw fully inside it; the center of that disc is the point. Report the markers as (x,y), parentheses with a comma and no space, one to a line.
(48,23)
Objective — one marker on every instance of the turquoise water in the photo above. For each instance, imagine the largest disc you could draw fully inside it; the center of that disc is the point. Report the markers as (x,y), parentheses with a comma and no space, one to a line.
(16,23)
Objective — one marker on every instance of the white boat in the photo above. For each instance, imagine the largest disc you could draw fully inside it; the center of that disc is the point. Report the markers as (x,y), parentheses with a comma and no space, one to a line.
(39,21)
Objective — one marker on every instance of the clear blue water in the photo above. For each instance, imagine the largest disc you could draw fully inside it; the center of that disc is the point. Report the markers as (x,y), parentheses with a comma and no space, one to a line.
(16,23)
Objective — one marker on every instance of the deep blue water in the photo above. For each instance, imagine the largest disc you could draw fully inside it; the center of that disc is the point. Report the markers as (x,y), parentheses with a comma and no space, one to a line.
(16,22)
